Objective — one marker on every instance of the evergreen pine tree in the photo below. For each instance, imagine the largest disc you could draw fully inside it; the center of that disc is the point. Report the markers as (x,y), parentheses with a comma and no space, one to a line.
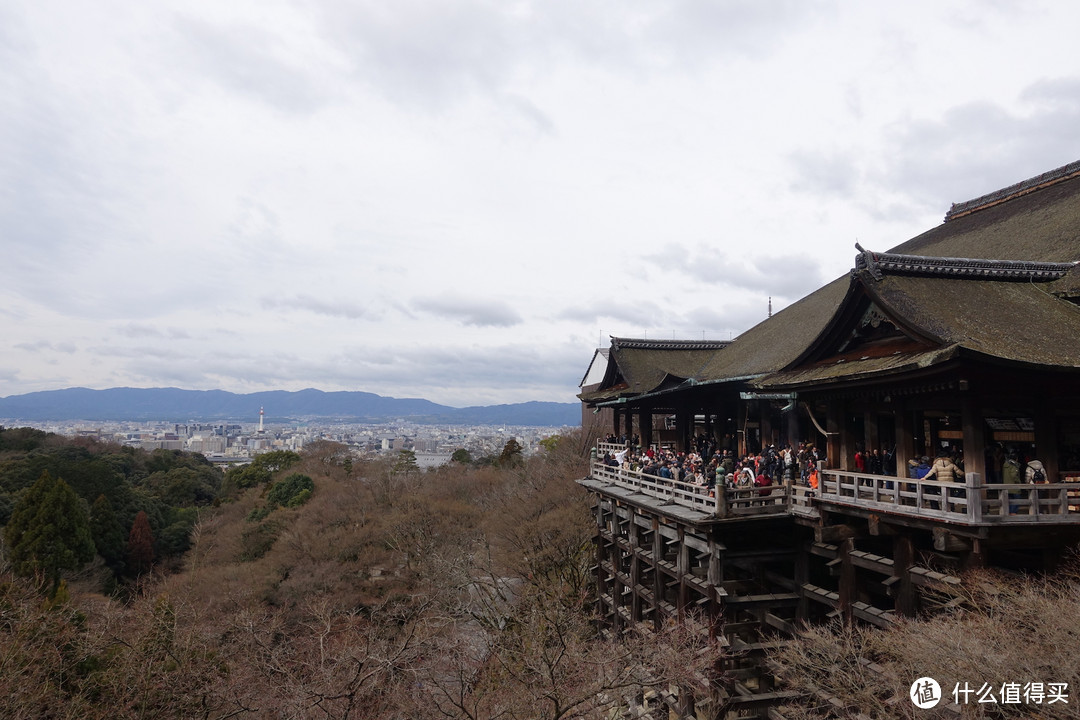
(511,454)
(49,531)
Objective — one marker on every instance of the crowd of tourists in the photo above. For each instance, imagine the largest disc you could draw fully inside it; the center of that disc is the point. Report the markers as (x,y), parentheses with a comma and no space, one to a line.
(706,465)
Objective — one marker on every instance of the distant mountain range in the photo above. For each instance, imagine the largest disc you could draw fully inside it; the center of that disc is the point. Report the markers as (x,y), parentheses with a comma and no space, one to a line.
(175,405)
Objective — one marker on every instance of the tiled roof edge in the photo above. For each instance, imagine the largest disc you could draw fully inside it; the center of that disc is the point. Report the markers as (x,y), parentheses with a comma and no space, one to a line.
(880,264)
(642,344)
(1021,188)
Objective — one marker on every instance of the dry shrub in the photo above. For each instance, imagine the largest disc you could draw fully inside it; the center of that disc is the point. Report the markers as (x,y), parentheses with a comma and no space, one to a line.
(540,527)
(458,593)
(1006,630)
(541,658)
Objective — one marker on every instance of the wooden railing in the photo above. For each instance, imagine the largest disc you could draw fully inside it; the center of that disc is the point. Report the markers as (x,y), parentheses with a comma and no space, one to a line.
(969,502)
(720,501)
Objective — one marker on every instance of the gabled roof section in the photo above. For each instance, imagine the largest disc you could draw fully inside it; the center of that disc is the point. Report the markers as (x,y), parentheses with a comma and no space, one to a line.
(597,368)
(904,313)
(638,366)
(778,341)
(1014,321)
(1034,220)
(861,328)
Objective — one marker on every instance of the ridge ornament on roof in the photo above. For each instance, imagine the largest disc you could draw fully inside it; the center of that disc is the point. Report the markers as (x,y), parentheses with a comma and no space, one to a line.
(880,264)
(642,344)
(1016,190)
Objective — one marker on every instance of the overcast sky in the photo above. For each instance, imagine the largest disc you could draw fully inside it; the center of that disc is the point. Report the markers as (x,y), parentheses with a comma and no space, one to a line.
(460,200)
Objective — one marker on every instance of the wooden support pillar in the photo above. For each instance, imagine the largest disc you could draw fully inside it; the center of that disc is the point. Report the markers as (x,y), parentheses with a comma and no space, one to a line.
(905,437)
(629,429)
(903,559)
(794,436)
(974,435)
(684,421)
(741,417)
(616,417)
(658,576)
(1046,439)
(645,423)
(848,590)
(870,431)
(839,450)
(617,585)
(635,567)
(714,577)
(976,558)
(684,707)
(765,412)
(682,570)
(802,576)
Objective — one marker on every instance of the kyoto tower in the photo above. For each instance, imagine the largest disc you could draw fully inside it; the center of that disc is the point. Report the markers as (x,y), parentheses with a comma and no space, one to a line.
(260,421)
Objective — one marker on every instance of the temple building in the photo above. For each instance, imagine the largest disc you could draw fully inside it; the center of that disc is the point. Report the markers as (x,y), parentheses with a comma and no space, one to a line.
(962,342)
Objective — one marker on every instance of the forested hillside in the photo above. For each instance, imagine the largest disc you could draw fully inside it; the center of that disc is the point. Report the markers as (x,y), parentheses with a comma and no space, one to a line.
(314,587)
(115,486)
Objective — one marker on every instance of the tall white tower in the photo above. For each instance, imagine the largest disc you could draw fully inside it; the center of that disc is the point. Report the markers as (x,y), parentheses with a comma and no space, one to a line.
(260,421)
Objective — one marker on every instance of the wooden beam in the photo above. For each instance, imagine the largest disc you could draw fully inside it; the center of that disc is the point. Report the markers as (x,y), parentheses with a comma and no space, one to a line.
(945,541)
(834,533)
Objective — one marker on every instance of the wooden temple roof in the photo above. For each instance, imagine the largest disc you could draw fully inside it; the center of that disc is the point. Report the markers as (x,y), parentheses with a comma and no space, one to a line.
(640,366)
(993,281)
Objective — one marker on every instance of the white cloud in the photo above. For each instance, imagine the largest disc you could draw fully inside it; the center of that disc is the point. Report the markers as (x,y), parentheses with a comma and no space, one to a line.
(457,200)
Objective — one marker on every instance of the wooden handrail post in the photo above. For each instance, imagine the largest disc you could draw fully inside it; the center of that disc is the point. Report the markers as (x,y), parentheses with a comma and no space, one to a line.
(721,499)
(974,496)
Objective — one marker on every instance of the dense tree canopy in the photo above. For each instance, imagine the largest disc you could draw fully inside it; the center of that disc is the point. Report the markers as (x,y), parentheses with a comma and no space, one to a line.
(261,469)
(168,486)
(49,531)
(140,546)
(107,533)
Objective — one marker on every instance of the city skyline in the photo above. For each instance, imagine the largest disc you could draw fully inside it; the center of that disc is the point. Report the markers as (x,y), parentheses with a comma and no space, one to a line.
(459,201)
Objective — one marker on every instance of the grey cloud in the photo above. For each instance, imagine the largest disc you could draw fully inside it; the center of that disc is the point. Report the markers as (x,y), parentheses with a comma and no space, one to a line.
(469,311)
(1061,95)
(143,351)
(44,346)
(835,173)
(140,330)
(979,147)
(330,308)
(435,53)
(724,323)
(427,52)
(969,150)
(136,330)
(52,204)
(692,30)
(536,117)
(633,313)
(788,277)
(247,60)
